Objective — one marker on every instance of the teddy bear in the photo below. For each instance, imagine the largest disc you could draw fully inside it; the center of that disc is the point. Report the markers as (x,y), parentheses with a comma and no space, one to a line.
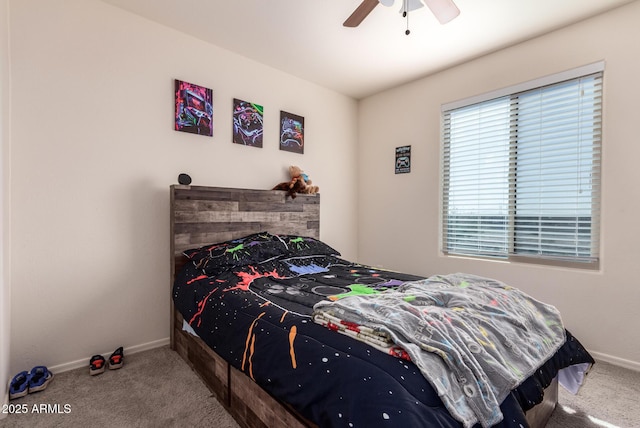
(299,183)
(296,173)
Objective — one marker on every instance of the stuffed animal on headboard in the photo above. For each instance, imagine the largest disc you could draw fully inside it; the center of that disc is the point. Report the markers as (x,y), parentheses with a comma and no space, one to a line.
(299,183)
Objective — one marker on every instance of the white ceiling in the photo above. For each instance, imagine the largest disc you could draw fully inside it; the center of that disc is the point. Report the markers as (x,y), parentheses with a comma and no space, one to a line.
(306,38)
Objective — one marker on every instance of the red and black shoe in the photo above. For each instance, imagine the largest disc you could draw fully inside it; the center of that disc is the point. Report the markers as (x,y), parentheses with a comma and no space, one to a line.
(97,364)
(116,360)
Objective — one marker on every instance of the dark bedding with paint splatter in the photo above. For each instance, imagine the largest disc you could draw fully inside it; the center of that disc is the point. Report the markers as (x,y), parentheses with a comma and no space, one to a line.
(250,300)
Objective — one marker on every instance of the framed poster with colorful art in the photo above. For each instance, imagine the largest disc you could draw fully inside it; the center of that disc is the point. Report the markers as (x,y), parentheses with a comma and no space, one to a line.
(194,108)
(247,123)
(291,132)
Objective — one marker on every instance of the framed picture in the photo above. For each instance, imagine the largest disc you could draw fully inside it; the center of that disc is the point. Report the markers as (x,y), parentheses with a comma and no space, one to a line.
(194,108)
(291,132)
(403,159)
(247,123)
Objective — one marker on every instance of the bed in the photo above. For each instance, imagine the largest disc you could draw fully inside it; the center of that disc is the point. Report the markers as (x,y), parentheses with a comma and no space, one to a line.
(247,327)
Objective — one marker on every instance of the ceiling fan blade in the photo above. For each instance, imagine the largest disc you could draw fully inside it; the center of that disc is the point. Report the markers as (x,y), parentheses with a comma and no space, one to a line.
(360,13)
(444,10)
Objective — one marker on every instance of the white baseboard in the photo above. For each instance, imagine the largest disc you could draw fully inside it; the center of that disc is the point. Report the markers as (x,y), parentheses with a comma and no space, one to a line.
(128,350)
(3,402)
(627,364)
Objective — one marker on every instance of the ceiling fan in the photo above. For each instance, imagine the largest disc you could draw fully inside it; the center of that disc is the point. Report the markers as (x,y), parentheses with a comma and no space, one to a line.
(444,10)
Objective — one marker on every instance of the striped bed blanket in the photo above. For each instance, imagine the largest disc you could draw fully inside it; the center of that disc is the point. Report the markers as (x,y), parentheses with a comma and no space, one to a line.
(473,338)
(379,339)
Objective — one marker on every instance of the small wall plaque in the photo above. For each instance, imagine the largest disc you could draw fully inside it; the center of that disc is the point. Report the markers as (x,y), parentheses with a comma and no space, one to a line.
(403,159)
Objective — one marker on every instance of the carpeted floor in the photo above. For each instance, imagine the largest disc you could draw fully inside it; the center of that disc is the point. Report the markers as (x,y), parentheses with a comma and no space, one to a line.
(157,389)
(608,399)
(153,389)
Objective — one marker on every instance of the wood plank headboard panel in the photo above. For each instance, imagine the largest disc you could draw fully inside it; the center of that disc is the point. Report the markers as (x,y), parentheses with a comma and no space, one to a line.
(204,215)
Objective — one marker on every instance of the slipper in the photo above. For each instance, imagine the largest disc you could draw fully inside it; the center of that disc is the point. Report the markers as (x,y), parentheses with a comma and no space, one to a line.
(116,360)
(39,378)
(19,386)
(96,365)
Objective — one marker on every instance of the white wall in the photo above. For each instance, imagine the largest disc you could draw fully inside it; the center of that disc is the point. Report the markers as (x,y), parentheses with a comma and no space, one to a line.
(5,242)
(600,308)
(94,153)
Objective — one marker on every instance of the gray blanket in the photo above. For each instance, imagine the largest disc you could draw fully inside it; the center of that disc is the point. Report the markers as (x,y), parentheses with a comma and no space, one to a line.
(474,339)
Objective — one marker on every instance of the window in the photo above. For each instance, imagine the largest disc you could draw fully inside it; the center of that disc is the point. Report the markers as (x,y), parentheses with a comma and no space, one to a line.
(521,171)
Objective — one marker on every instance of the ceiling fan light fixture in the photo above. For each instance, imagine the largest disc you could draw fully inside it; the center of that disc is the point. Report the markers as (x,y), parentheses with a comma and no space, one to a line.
(444,10)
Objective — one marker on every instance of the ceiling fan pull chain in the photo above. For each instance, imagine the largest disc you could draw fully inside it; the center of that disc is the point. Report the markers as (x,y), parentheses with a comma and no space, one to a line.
(405,14)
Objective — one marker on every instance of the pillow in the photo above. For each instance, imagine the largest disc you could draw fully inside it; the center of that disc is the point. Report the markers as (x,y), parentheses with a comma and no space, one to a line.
(254,248)
(301,246)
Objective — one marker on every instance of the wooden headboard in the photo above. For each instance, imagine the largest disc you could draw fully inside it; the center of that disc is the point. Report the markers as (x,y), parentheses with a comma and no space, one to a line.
(204,215)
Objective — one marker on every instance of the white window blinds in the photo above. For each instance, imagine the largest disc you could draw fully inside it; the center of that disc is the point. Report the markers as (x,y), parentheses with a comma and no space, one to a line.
(521,174)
